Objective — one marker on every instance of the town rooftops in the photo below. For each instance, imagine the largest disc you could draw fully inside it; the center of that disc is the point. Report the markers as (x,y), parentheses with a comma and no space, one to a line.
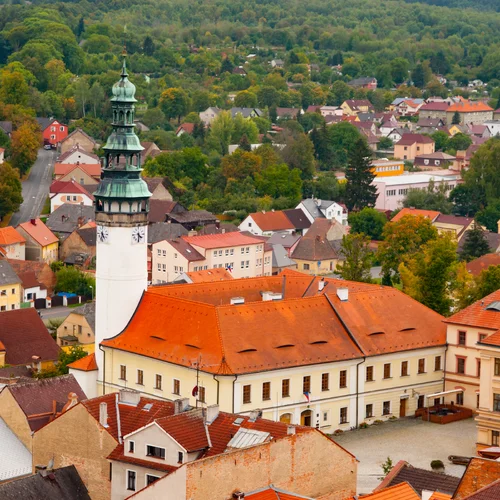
(285,239)
(68,217)
(158,209)
(42,271)
(273,493)
(315,247)
(438,155)
(484,313)
(298,218)
(192,216)
(9,236)
(469,107)
(59,484)
(158,231)
(7,274)
(76,149)
(186,250)
(76,131)
(435,106)
(85,364)
(29,280)
(401,491)
(39,232)
(410,139)
(359,103)
(15,459)
(478,265)
(73,187)
(272,221)
(489,492)
(223,240)
(209,275)
(88,312)
(432,215)
(259,335)
(480,472)
(417,178)
(91,169)
(419,479)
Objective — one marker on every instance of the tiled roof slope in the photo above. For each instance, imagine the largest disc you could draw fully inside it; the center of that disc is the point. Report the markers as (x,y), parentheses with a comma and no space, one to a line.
(43,272)
(222,240)
(419,479)
(440,496)
(480,472)
(428,214)
(299,330)
(210,275)
(272,221)
(481,263)
(9,236)
(91,169)
(7,274)
(402,491)
(188,429)
(490,492)
(24,335)
(469,107)
(478,315)
(85,364)
(39,232)
(273,493)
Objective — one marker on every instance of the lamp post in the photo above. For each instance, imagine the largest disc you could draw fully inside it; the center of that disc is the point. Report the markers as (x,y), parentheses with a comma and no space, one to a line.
(92,292)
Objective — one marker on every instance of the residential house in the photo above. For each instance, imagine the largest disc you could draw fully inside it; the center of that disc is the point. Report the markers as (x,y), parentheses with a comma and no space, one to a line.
(432,215)
(78,155)
(31,288)
(330,111)
(477,266)
(191,219)
(424,482)
(266,223)
(78,137)
(243,255)
(185,128)
(239,70)
(209,115)
(41,243)
(493,127)
(205,276)
(408,106)
(393,190)
(151,149)
(433,160)
(277,63)
(496,115)
(83,173)
(299,220)
(412,145)
(43,273)
(478,131)
(387,168)
(68,217)
(12,244)
(25,340)
(157,188)
(480,480)
(395,134)
(281,259)
(78,327)
(430,125)
(463,158)
(158,231)
(475,112)
(318,252)
(158,209)
(352,107)
(314,208)
(58,484)
(246,112)
(6,128)
(61,192)
(286,240)
(435,110)
(10,288)
(368,83)
(79,248)
(53,131)
(263,324)
(288,113)
(218,228)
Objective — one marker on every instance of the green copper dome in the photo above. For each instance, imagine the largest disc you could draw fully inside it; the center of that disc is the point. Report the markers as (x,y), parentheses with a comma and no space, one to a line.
(124,90)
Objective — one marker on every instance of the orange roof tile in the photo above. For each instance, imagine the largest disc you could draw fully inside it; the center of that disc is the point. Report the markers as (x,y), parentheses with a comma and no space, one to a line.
(478,265)
(272,493)
(92,169)
(118,454)
(428,214)
(209,275)
(85,364)
(188,429)
(222,240)
(272,221)
(58,187)
(478,315)
(39,232)
(480,472)
(9,236)
(469,107)
(402,491)
(440,496)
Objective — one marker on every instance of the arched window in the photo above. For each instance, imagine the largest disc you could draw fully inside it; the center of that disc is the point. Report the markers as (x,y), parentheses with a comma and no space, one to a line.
(286,418)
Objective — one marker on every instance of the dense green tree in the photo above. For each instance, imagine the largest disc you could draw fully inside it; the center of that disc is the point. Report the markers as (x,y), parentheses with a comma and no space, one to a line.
(441,140)
(244,143)
(298,153)
(360,192)
(72,280)
(245,99)
(148,46)
(490,215)
(421,75)
(343,139)
(456,118)
(459,142)
(434,197)
(466,199)
(154,118)
(174,102)
(242,126)
(368,221)
(357,258)
(400,67)
(279,180)
(475,244)
(10,190)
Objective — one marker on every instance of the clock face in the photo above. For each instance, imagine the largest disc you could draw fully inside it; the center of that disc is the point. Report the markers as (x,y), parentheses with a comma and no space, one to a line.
(138,234)
(102,234)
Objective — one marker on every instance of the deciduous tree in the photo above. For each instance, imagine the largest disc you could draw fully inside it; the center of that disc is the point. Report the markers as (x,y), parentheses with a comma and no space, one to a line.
(368,221)
(10,190)
(357,258)
(174,102)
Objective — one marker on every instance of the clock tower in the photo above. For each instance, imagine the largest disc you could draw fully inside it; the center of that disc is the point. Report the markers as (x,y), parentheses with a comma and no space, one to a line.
(121,205)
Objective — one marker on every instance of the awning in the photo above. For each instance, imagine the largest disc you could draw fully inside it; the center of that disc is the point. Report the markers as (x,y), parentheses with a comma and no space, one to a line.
(444,393)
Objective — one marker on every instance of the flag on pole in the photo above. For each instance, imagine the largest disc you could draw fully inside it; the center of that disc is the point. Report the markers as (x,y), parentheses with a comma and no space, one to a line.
(308,396)
(194,392)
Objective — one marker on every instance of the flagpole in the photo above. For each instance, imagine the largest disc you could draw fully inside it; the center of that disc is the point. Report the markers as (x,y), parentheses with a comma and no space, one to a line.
(197,380)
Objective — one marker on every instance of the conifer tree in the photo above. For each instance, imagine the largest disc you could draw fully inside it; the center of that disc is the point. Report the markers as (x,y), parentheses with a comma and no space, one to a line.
(245,143)
(360,192)
(456,118)
(475,244)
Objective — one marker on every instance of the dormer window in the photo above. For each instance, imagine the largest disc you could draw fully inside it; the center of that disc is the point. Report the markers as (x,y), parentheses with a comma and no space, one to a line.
(155,452)
(180,457)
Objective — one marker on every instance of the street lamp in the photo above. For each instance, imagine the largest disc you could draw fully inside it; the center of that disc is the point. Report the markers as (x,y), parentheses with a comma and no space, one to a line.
(92,291)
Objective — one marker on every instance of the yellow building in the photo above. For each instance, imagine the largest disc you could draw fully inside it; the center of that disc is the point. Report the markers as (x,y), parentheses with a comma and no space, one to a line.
(42,244)
(78,327)
(298,350)
(10,288)
(387,168)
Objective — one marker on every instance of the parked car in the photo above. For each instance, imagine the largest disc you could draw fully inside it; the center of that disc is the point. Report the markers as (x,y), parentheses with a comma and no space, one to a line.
(47,146)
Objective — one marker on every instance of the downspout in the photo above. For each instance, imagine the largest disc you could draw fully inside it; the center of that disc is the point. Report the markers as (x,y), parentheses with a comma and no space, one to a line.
(118,422)
(103,369)
(357,345)
(234,381)
(218,383)
(444,367)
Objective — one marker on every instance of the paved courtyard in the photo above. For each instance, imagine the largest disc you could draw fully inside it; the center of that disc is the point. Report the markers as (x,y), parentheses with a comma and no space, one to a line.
(412,440)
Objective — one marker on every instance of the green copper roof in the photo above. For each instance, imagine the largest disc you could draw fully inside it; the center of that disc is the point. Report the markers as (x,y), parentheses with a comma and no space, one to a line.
(122,189)
(122,141)
(124,90)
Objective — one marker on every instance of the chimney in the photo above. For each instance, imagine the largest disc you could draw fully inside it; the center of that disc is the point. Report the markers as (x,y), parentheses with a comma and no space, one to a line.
(321,284)
(35,363)
(72,401)
(129,397)
(343,294)
(290,430)
(254,415)
(42,470)
(223,231)
(192,232)
(238,495)
(212,413)
(103,414)
(33,221)
(81,221)
(181,405)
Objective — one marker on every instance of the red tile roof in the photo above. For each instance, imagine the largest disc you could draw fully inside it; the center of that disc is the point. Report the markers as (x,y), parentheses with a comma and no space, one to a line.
(222,240)
(39,232)
(402,491)
(186,250)
(272,221)
(85,364)
(118,454)
(428,214)
(188,429)
(480,472)
(478,265)
(272,493)
(489,492)
(440,496)
(478,315)
(24,335)
(187,127)
(58,187)
(29,280)
(76,148)
(9,236)
(92,169)
(469,107)
(410,139)
(210,275)
(435,106)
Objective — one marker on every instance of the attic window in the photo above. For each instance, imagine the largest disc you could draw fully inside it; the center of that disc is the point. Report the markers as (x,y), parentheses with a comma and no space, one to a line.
(148,407)
(494,306)
(238,421)
(156,337)
(251,349)
(193,346)
(409,329)
(284,345)
(319,342)
(376,333)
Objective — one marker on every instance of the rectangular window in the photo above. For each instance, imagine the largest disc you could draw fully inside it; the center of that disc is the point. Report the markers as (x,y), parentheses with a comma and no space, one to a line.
(285,388)
(151,479)
(404,368)
(159,252)
(387,370)
(180,457)
(497,367)
(495,438)
(369,411)
(461,365)
(421,400)
(386,408)
(325,381)
(482,336)
(421,365)
(266,391)
(201,394)
(247,392)
(242,264)
(496,402)
(460,398)
(369,373)
(176,387)
(215,253)
(343,378)
(437,363)
(159,267)
(131,480)
(247,264)
(123,372)
(140,377)
(158,382)
(343,415)
(220,253)
(227,251)
(462,336)
(306,384)
(131,446)
(155,452)
(305,267)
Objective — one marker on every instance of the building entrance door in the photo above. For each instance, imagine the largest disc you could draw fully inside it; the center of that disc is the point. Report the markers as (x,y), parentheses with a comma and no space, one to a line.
(402,407)
(306,418)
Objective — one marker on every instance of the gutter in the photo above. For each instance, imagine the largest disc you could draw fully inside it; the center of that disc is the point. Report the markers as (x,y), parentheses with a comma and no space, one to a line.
(118,423)
(234,381)
(103,369)
(218,383)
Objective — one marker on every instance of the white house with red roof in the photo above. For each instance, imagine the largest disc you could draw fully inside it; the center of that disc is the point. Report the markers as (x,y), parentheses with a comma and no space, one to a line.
(83,173)
(78,155)
(71,192)
(12,244)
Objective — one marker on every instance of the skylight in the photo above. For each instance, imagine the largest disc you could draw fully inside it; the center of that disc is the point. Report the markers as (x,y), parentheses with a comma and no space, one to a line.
(193,346)
(376,333)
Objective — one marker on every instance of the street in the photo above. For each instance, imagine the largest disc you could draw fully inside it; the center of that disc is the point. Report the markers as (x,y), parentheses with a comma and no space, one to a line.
(36,187)
(55,312)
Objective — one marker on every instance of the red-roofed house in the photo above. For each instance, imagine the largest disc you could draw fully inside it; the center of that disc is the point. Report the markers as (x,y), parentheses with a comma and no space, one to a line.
(412,145)
(266,223)
(83,173)
(185,128)
(78,137)
(242,254)
(71,192)
(477,266)
(12,244)
(78,155)
(42,244)
(470,112)
(434,110)
(54,132)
